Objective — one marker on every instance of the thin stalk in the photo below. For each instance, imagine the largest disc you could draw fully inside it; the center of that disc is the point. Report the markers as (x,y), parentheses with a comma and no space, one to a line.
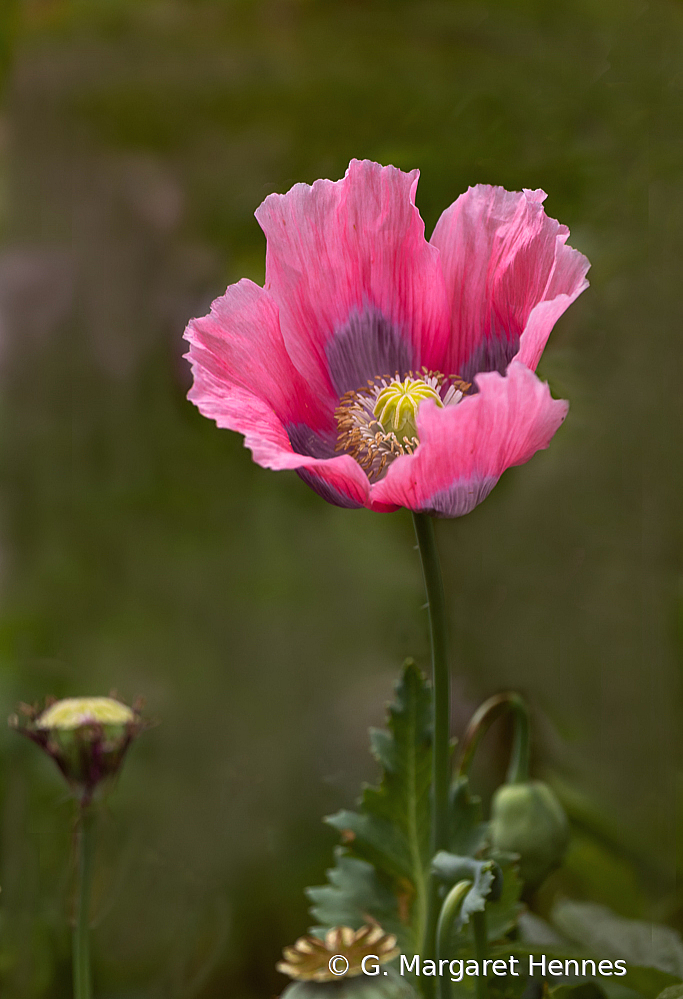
(480,935)
(483,718)
(518,770)
(449,912)
(441,763)
(82,978)
(436,603)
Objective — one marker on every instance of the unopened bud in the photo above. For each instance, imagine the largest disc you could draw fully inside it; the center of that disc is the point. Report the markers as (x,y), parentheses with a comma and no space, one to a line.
(528,819)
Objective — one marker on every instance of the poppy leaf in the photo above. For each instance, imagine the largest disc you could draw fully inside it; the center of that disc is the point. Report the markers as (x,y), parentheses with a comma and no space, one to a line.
(391,829)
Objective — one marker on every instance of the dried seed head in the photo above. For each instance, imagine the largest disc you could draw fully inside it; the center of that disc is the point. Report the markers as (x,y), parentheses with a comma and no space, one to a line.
(309,959)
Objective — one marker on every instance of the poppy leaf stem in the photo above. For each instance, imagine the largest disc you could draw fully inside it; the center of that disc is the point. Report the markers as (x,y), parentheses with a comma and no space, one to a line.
(441,762)
(82,979)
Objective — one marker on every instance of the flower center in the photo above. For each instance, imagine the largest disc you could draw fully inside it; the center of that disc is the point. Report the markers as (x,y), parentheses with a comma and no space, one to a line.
(397,405)
(378,423)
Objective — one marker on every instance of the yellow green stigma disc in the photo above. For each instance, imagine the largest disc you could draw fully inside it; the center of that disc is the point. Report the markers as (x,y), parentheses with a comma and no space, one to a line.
(397,405)
(73,712)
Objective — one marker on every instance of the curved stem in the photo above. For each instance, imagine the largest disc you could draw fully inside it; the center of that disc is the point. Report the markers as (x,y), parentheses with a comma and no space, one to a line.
(518,770)
(436,603)
(449,912)
(483,718)
(82,980)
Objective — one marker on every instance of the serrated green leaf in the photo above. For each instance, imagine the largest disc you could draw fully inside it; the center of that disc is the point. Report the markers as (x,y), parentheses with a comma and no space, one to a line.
(391,829)
(382,869)
(502,915)
(353,895)
(468,831)
(503,912)
(451,869)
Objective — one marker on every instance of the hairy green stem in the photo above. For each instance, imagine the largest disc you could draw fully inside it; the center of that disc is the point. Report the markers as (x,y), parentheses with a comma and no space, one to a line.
(441,764)
(82,979)
(449,912)
(483,718)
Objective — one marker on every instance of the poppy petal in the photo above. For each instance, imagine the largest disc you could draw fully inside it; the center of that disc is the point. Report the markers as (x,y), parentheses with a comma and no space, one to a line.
(464,449)
(503,258)
(360,291)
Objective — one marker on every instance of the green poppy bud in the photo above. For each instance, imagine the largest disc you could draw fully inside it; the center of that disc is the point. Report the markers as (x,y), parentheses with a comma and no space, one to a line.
(528,819)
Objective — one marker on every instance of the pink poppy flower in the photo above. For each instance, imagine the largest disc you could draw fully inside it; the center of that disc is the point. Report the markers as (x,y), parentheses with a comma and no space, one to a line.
(389,371)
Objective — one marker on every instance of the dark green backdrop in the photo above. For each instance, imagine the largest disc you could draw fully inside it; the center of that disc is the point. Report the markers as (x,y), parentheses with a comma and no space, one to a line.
(143,551)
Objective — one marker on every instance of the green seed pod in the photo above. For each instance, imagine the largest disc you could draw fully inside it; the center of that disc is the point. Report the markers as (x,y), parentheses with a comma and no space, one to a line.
(87,737)
(387,985)
(528,819)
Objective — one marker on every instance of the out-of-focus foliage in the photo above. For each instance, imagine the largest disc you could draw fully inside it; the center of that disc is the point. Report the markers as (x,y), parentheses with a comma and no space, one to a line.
(143,551)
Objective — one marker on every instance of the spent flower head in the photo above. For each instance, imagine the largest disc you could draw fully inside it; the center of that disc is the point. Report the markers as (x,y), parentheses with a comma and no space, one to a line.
(87,737)
(332,968)
(309,958)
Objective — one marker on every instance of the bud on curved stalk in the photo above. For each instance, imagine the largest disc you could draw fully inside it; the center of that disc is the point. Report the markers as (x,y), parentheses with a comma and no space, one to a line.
(346,964)
(87,737)
(526,815)
(528,819)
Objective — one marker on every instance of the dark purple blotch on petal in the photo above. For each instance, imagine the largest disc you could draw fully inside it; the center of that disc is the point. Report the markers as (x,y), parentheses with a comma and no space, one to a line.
(494,352)
(459,498)
(310,442)
(327,491)
(367,345)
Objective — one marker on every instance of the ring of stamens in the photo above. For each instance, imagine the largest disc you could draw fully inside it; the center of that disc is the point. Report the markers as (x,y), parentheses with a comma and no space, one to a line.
(376,423)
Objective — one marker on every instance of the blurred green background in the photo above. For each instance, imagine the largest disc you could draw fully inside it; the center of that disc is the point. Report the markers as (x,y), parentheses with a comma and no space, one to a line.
(142,550)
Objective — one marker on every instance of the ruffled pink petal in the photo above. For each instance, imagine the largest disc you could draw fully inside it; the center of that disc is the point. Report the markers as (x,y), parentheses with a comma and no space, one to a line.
(566,284)
(239,344)
(509,276)
(355,281)
(464,449)
(339,480)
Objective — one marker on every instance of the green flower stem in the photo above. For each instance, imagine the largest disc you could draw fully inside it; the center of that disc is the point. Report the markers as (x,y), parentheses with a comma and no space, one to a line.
(436,603)
(518,770)
(441,763)
(81,937)
(483,718)
(480,935)
(449,912)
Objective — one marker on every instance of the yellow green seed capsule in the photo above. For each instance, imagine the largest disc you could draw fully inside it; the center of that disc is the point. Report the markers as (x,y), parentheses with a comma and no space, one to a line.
(87,737)
(397,405)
